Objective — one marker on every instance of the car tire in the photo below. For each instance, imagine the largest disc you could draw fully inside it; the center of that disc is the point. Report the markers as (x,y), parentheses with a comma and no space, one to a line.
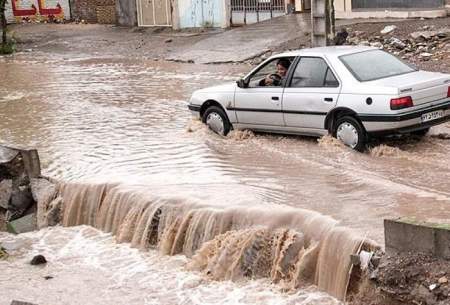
(216,119)
(420,133)
(351,133)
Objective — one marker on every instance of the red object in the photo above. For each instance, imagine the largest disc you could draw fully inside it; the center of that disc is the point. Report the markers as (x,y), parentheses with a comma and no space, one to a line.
(23,12)
(400,103)
(49,11)
(448,91)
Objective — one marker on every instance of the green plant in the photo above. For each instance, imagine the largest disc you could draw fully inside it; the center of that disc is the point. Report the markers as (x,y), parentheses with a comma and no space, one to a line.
(8,48)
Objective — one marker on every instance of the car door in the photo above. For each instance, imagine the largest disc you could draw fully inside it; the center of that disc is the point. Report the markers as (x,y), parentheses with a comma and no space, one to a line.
(260,105)
(311,93)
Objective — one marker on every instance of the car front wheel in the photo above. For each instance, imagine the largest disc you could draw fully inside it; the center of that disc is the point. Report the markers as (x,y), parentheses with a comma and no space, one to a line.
(351,133)
(217,120)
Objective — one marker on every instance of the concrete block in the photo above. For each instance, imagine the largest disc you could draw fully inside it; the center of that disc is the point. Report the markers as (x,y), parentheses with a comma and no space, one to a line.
(442,242)
(29,158)
(31,162)
(24,224)
(401,236)
(408,235)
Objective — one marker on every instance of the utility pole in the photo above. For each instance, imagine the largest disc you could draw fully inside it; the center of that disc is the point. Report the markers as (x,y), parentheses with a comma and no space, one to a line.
(322,23)
(3,21)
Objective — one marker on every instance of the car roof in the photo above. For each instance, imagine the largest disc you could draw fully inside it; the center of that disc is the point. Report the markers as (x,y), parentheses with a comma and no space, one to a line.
(334,51)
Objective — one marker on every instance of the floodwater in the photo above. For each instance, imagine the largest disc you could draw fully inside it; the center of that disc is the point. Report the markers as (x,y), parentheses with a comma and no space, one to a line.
(126,121)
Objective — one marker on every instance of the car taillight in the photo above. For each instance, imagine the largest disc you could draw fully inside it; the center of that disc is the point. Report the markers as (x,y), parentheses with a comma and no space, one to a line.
(448,91)
(400,103)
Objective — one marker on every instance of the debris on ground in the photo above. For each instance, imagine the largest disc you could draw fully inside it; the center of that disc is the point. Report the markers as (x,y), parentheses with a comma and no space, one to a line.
(424,44)
(3,253)
(388,29)
(27,200)
(414,278)
(14,302)
(38,260)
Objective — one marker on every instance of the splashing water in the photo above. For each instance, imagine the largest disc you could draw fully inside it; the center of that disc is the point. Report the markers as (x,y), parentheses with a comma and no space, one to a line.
(86,262)
(293,247)
(241,135)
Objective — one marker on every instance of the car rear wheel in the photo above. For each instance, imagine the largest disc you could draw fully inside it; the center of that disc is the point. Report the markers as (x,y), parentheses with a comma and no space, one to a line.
(217,120)
(351,133)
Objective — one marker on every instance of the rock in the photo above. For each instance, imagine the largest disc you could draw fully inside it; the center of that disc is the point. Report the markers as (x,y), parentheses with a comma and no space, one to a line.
(24,224)
(168,40)
(377,44)
(19,166)
(388,29)
(54,215)
(44,193)
(21,200)
(38,260)
(433,286)
(359,33)
(2,220)
(364,43)
(425,56)
(422,292)
(423,34)
(397,43)
(443,280)
(5,192)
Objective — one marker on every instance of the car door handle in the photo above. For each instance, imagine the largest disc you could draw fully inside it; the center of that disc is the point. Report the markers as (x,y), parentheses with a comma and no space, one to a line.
(328,99)
(275,98)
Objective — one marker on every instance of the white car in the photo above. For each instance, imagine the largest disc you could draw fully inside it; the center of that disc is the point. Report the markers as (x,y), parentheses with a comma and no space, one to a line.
(349,92)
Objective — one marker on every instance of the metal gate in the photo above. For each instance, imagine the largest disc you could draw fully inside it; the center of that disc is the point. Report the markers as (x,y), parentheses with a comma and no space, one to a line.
(253,11)
(154,12)
(368,4)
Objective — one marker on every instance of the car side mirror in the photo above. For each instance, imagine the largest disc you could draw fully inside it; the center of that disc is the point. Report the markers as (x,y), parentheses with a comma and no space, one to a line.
(241,83)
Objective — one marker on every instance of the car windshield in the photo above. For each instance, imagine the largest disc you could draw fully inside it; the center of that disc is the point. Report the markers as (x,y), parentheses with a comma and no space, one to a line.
(374,64)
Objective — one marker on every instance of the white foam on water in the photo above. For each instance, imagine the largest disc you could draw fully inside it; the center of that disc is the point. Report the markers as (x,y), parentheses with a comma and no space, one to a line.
(12,96)
(88,267)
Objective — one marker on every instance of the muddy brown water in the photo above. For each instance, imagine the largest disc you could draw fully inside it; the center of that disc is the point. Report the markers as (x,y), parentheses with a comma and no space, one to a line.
(99,120)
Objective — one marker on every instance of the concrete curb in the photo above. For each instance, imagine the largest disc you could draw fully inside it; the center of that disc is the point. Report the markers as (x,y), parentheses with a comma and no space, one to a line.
(408,235)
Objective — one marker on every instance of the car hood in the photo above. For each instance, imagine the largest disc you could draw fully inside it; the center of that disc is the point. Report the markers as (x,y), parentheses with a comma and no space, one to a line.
(227,87)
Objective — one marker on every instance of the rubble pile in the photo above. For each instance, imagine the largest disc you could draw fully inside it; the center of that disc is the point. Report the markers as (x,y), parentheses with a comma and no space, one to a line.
(414,278)
(429,43)
(28,201)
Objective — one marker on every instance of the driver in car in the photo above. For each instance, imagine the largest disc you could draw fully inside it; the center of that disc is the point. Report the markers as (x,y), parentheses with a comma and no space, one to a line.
(276,79)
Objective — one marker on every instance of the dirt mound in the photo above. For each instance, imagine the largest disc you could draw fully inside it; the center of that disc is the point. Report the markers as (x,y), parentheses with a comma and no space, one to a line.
(415,278)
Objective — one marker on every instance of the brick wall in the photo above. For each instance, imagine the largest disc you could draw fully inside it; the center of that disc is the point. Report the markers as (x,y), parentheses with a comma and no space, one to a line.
(94,11)
(106,14)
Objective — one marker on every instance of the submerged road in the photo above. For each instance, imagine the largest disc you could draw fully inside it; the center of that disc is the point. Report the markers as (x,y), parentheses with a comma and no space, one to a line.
(126,120)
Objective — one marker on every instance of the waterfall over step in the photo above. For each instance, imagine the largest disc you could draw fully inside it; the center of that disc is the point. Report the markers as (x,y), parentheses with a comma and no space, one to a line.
(292,247)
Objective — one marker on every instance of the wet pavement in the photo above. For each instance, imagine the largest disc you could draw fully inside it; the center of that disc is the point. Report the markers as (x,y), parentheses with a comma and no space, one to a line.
(247,42)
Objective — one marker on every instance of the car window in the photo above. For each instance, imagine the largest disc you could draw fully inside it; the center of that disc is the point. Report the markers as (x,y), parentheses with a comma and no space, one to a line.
(374,64)
(268,69)
(313,72)
(330,79)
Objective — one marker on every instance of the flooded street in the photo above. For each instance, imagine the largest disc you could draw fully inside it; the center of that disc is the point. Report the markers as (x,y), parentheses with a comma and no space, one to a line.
(126,121)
